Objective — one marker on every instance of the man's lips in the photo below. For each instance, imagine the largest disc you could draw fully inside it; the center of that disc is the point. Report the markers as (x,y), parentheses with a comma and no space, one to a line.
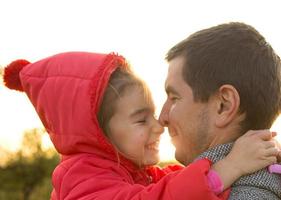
(172,133)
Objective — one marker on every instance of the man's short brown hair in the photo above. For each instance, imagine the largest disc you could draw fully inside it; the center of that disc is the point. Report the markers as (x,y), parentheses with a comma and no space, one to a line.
(236,54)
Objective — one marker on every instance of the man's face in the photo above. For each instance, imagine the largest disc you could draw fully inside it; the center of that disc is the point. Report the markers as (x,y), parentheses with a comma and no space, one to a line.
(188,122)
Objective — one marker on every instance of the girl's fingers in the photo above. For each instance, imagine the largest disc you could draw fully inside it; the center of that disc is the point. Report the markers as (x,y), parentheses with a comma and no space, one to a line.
(264,135)
(272,152)
(279,157)
(278,144)
(273,133)
(256,132)
(271,160)
(279,149)
(269,144)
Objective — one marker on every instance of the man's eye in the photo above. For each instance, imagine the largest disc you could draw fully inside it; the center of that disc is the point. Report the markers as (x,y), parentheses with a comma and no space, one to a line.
(174,98)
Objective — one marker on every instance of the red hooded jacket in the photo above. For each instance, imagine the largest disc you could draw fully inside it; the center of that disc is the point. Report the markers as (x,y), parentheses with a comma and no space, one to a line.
(66,91)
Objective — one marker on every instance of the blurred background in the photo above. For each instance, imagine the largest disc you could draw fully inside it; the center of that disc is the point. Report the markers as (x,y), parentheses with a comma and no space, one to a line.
(142,31)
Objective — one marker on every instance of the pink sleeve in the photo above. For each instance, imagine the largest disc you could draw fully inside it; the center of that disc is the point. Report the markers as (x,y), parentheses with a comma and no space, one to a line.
(215,182)
(275,168)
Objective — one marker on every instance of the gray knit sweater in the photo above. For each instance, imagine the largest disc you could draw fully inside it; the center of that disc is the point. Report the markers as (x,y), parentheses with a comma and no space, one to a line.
(260,185)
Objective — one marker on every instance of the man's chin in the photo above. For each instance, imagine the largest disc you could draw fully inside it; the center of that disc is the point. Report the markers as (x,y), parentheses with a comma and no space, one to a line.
(181,159)
(175,140)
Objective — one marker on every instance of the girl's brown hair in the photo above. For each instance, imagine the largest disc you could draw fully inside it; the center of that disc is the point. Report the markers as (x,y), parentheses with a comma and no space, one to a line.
(120,81)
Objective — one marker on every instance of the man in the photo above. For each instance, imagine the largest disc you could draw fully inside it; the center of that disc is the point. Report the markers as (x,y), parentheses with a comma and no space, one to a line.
(221,82)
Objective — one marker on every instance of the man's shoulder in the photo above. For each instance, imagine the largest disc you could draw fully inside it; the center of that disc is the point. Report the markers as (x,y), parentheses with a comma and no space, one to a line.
(251,193)
(259,185)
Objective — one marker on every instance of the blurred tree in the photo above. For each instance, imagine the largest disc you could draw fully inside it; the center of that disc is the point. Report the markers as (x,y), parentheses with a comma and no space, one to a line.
(26,174)
(27,168)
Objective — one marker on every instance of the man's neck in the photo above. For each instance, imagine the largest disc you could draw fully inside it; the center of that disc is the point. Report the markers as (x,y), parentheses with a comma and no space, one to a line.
(224,136)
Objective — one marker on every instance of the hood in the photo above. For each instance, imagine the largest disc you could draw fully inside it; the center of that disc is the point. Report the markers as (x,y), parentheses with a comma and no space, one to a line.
(66,90)
(268,184)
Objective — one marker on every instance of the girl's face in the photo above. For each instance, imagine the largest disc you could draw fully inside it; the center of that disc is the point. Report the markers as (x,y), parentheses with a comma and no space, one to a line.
(133,128)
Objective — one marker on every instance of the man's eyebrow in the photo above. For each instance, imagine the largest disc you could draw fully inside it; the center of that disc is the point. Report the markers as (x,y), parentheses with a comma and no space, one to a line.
(140,111)
(170,90)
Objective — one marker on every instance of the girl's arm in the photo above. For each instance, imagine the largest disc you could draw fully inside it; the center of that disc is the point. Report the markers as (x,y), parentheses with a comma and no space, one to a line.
(87,181)
(251,152)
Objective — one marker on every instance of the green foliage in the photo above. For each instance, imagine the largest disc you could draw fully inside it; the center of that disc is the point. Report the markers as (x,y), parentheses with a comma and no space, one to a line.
(28,170)
(26,174)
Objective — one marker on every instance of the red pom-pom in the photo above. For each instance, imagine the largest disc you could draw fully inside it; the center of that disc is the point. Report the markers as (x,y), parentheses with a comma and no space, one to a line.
(11,74)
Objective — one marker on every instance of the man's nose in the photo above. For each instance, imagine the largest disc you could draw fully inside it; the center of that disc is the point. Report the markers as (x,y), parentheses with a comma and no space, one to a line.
(158,128)
(164,116)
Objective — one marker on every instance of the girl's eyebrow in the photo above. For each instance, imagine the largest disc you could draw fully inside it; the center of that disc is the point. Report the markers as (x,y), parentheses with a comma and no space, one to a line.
(139,111)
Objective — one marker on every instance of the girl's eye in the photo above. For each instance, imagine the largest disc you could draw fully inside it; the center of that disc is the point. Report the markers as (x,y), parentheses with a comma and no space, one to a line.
(142,121)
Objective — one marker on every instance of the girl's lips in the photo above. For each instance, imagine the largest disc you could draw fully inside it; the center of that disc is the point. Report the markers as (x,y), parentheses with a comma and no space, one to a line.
(153,145)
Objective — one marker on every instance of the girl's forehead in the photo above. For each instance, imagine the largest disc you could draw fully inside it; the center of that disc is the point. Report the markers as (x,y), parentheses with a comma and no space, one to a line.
(145,94)
(137,98)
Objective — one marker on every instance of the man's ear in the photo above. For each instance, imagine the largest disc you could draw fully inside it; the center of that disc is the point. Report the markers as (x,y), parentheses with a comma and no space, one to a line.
(227,105)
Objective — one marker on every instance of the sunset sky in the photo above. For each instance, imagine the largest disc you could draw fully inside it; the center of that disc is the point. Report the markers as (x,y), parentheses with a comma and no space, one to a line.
(142,31)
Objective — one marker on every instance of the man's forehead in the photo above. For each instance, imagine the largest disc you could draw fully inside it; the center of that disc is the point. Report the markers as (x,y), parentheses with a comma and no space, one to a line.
(174,70)
(170,83)
(175,66)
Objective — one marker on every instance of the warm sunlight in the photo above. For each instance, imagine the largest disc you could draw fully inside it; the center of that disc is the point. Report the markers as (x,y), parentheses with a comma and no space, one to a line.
(143,32)
(143,37)
(277,127)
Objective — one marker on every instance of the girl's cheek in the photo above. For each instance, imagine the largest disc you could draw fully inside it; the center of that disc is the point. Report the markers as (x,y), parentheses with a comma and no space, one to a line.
(142,139)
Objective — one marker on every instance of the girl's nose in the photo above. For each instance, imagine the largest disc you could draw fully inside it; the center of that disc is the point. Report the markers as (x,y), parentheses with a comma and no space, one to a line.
(158,128)
(164,118)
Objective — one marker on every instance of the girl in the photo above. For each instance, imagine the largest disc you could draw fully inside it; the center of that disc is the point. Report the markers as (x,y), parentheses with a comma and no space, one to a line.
(100,118)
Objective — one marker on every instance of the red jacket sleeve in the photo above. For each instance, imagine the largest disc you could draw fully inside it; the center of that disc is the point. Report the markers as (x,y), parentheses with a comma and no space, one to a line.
(188,183)
(157,173)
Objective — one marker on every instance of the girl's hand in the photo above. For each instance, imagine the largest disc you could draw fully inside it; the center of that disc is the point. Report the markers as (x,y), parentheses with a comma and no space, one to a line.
(251,152)
(279,147)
